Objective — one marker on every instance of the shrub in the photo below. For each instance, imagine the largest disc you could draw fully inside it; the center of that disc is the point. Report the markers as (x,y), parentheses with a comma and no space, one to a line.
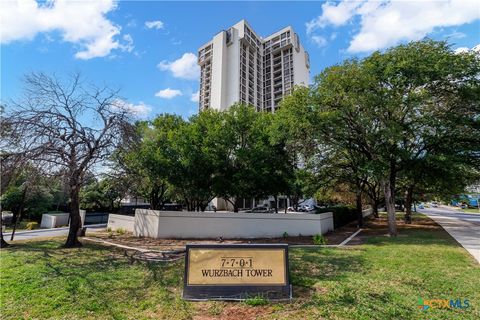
(342,215)
(285,234)
(319,239)
(32,225)
(109,229)
(256,301)
(121,231)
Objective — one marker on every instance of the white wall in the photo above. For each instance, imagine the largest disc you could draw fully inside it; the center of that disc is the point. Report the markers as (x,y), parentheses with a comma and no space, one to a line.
(53,220)
(367,212)
(174,224)
(117,221)
(48,221)
(301,74)
(218,81)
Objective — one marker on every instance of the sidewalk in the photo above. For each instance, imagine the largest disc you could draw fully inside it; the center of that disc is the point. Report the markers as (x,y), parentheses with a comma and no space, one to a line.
(467,233)
(41,233)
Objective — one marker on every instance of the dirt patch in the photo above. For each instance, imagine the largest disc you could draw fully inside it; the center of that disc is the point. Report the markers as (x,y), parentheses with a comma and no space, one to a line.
(375,227)
(230,311)
(127,239)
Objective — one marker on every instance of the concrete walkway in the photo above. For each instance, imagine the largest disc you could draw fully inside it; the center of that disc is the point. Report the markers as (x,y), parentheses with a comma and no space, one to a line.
(462,227)
(42,233)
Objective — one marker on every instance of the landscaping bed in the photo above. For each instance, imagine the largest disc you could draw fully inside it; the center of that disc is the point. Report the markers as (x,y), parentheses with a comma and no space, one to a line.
(128,239)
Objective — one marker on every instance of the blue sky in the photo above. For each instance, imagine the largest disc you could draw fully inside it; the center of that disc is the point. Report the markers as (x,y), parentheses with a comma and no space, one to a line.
(147,48)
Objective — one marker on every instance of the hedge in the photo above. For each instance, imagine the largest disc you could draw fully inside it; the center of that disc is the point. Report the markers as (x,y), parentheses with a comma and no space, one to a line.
(342,215)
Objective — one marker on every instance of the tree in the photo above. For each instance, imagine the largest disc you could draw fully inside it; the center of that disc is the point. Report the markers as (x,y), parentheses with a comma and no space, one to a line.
(425,103)
(104,194)
(149,158)
(197,155)
(374,193)
(345,128)
(67,126)
(252,164)
(30,193)
(294,127)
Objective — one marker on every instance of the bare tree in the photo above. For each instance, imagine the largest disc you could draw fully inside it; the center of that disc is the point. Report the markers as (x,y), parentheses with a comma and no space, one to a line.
(66,125)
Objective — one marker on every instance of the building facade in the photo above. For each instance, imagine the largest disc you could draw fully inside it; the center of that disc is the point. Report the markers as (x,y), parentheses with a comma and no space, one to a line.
(238,65)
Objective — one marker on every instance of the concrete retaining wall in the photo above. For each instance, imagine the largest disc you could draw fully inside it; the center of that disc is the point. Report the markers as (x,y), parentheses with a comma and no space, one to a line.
(117,221)
(54,220)
(367,212)
(48,221)
(174,224)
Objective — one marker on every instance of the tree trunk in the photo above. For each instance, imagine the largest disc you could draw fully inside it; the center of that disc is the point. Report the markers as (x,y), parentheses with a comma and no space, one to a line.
(408,204)
(15,220)
(375,208)
(17,214)
(358,202)
(3,243)
(390,206)
(233,203)
(275,197)
(154,198)
(14,223)
(75,221)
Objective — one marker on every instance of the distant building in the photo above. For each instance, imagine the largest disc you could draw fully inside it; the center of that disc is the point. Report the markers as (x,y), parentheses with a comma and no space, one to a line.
(238,65)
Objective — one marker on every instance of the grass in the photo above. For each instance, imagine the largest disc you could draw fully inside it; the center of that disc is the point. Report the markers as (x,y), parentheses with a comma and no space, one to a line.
(380,279)
(471,210)
(21,226)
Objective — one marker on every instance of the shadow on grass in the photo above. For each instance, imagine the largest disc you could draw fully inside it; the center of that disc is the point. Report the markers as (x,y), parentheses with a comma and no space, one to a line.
(411,236)
(308,266)
(94,271)
(422,231)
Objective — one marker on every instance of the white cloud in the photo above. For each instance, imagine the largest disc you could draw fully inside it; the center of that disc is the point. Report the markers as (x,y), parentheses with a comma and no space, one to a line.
(319,41)
(128,46)
(185,67)
(140,110)
(466,49)
(195,96)
(386,23)
(83,23)
(456,35)
(461,50)
(336,15)
(154,24)
(168,93)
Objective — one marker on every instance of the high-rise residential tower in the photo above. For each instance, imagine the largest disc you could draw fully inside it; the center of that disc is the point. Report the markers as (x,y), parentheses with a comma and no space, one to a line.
(238,65)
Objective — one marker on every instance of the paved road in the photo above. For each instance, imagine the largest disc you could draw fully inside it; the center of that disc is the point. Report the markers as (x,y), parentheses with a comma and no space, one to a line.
(41,233)
(464,227)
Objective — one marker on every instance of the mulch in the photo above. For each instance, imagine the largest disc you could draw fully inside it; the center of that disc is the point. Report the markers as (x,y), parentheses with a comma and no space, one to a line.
(375,227)
(333,238)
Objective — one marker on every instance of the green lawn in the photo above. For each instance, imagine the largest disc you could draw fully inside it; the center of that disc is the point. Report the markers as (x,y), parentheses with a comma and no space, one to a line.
(382,279)
(471,210)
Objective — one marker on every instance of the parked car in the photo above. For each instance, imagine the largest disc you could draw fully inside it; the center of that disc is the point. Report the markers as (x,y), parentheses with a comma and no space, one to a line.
(307,208)
(211,207)
(172,207)
(463,206)
(434,205)
(421,206)
(261,209)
